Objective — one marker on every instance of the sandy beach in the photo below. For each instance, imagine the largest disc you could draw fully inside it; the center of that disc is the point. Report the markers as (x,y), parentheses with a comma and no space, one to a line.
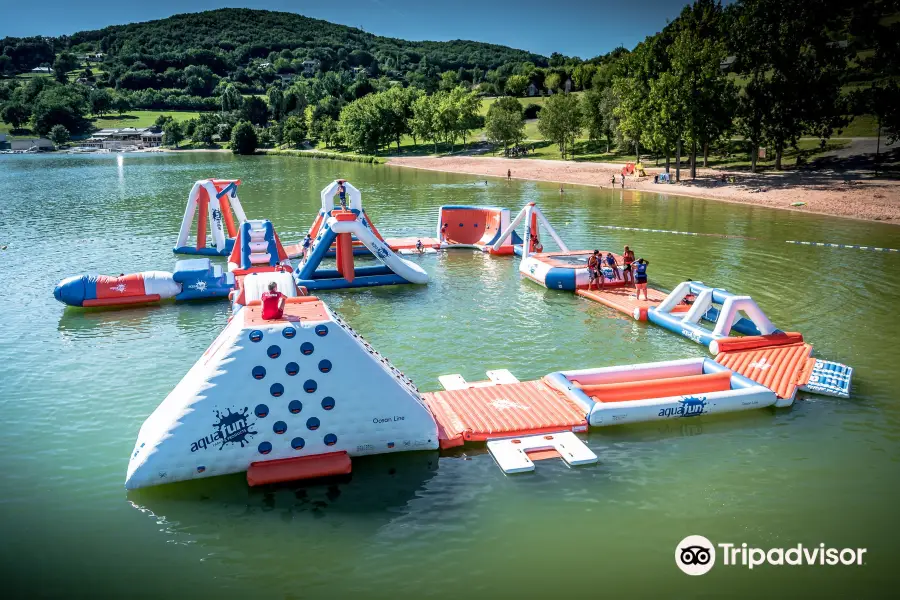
(823,191)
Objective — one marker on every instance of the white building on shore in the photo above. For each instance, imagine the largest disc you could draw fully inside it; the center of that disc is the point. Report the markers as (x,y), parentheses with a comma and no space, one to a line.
(116,139)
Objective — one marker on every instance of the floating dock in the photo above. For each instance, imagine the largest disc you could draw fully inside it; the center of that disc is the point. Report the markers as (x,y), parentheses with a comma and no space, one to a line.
(623,299)
(485,411)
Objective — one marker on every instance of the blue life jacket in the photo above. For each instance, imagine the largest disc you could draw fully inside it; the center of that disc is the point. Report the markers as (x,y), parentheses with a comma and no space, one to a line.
(641,269)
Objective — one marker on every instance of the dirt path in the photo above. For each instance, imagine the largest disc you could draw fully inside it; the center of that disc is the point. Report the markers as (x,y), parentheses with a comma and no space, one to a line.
(823,191)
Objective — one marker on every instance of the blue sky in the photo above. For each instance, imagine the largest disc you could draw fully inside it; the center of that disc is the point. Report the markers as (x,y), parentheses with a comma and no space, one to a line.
(574,27)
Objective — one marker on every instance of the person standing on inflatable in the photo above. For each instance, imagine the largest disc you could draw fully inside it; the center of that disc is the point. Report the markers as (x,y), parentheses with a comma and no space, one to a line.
(272,303)
(342,194)
(627,259)
(640,278)
(594,272)
(444,233)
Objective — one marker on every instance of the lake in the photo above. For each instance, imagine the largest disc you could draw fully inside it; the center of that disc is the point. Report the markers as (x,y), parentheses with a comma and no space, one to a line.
(77,386)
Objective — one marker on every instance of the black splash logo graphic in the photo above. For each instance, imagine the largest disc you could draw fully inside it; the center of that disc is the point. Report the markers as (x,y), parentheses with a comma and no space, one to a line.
(230,428)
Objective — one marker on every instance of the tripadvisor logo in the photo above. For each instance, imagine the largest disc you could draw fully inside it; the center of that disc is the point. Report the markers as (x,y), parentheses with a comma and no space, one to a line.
(696,555)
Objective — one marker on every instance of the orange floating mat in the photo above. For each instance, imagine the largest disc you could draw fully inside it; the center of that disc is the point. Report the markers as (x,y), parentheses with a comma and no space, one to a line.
(758,341)
(779,368)
(483,413)
(306,308)
(408,243)
(624,300)
(298,468)
(658,388)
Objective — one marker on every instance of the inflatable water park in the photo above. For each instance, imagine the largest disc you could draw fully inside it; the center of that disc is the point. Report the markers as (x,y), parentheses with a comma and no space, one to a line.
(298,395)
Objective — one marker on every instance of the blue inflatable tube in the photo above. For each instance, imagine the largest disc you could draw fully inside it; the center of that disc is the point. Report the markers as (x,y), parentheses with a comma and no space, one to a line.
(208,251)
(676,325)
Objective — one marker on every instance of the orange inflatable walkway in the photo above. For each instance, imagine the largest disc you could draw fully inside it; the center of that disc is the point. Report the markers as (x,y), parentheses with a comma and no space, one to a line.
(781,362)
(477,414)
(624,300)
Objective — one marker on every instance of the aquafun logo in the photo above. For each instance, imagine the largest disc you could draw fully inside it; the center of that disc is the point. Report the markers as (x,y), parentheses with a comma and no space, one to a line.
(696,555)
(687,407)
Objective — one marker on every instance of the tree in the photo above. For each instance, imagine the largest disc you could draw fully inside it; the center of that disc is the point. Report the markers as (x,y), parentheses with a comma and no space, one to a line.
(504,123)
(466,105)
(162,120)
(231,98)
(561,121)
(275,99)
(204,132)
(608,103)
(243,138)
(361,125)
(553,81)
(593,116)
(59,105)
(172,133)
(786,50)
(449,80)
(121,104)
(255,110)
(294,131)
(395,105)
(101,101)
(59,135)
(329,131)
(424,119)
(15,113)
(63,64)
(516,85)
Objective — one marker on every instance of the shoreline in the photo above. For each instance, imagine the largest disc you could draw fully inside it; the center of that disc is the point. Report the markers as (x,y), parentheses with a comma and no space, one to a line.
(823,192)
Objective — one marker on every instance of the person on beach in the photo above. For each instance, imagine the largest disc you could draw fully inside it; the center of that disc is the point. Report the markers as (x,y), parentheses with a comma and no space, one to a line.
(640,278)
(594,273)
(627,259)
(508,174)
(613,180)
(272,303)
(623,181)
(613,264)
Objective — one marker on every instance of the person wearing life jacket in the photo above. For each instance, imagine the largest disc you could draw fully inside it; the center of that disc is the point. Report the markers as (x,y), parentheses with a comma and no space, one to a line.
(272,303)
(627,259)
(594,272)
(640,278)
(342,194)
(613,264)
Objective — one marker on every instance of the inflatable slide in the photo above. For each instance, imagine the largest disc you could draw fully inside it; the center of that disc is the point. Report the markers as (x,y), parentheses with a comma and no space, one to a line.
(212,201)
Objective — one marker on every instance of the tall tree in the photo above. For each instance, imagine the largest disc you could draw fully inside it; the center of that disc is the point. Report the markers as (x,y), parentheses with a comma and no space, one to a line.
(504,124)
(561,122)
(424,119)
(63,65)
(785,49)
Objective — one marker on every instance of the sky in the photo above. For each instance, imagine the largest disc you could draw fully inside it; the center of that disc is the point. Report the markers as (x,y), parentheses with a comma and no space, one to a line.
(584,28)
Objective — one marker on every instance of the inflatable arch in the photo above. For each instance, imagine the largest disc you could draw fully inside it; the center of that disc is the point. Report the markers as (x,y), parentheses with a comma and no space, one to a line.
(725,317)
(336,232)
(216,204)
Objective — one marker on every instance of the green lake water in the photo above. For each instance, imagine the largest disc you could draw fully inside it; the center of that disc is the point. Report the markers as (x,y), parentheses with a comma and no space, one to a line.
(76,386)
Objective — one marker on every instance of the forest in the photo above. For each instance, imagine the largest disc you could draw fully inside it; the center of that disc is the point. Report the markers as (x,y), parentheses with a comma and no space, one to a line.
(765,72)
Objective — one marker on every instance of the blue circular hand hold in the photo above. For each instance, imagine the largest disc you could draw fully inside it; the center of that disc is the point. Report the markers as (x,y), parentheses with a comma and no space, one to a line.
(276,389)
(321,330)
(292,368)
(256,335)
(279,427)
(295,406)
(310,386)
(297,443)
(312,423)
(325,365)
(265,448)
(289,332)
(258,372)
(306,348)
(330,439)
(273,351)
(327,402)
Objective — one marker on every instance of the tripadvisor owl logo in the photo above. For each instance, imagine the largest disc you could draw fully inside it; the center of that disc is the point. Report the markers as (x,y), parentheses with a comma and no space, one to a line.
(695,555)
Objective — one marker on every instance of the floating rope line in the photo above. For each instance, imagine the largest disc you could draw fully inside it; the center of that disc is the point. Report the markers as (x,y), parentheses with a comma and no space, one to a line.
(718,235)
(850,246)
